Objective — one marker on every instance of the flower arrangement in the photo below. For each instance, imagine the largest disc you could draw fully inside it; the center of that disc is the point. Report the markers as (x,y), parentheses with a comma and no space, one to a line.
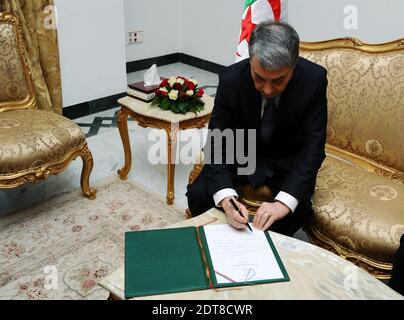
(179,95)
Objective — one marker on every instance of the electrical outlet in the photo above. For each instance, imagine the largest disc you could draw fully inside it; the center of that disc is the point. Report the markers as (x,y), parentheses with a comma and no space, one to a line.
(135,37)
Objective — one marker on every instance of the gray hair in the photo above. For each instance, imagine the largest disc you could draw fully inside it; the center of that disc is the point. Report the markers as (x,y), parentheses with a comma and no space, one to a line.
(275,45)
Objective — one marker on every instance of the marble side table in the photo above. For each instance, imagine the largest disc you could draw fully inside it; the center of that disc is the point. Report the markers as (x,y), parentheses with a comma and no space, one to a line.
(153,117)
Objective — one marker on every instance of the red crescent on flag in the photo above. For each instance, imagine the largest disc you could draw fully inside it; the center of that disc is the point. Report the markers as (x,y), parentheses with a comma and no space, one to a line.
(276,8)
(247,26)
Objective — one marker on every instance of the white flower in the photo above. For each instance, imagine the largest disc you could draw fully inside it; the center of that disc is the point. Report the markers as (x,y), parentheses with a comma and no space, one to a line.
(180,81)
(190,93)
(172,81)
(194,82)
(173,95)
(163,89)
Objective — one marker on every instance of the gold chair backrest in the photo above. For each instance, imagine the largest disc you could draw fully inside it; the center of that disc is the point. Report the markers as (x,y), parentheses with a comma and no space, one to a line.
(16,87)
(365,97)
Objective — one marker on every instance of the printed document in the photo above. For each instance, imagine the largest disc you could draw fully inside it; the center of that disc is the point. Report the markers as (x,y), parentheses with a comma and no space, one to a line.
(241,255)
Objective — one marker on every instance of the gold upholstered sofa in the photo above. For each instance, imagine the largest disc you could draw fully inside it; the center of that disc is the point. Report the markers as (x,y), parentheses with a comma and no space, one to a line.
(359,197)
(34,144)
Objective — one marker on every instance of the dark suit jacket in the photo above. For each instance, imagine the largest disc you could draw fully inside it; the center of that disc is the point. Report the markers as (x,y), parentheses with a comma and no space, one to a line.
(297,144)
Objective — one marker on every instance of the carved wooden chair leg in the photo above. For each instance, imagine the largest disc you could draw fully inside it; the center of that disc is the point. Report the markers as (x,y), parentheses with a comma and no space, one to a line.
(188,214)
(123,131)
(88,163)
(197,169)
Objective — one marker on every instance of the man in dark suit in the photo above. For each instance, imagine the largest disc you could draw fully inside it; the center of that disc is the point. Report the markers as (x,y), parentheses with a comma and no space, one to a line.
(283,99)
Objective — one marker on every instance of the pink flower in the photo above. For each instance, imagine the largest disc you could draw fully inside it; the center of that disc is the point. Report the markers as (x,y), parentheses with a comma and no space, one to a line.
(39,283)
(88,284)
(126,217)
(13,251)
(77,229)
(24,287)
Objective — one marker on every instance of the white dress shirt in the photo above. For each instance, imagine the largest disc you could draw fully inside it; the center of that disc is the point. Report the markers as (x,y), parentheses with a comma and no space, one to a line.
(284,197)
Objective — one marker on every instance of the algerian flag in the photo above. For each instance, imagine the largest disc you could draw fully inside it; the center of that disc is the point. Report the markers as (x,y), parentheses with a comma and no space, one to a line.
(255,12)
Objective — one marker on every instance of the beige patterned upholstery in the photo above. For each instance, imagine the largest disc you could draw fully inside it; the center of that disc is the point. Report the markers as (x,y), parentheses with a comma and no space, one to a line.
(14,86)
(358,209)
(16,89)
(359,198)
(366,101)
(33,138)
(34,144)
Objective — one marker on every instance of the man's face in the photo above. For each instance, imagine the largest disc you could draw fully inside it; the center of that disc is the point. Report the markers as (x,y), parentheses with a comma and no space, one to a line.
(269,83)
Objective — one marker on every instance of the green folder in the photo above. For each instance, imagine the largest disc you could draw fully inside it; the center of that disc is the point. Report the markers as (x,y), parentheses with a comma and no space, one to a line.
(174,260)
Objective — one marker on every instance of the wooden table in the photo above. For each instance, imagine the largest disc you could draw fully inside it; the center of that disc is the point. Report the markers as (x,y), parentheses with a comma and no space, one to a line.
(314,274)
(153,117)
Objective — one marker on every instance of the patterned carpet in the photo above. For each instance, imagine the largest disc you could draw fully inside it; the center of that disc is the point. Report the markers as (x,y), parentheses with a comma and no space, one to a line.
(62,248)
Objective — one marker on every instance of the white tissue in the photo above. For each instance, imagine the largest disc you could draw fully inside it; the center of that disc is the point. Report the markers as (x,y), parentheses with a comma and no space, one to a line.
(151,77)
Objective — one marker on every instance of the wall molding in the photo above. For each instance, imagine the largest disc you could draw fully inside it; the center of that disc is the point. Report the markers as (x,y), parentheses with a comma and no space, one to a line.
(144,64)
(89,107)
(201,64)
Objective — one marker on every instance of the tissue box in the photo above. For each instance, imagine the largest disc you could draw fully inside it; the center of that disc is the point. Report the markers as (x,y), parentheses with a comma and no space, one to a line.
(139,91)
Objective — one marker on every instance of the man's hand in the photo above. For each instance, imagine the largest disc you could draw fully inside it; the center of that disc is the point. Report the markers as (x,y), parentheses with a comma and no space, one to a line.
(233,217)
(268,213)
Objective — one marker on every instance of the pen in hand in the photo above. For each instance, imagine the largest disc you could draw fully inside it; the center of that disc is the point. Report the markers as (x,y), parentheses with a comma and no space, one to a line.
(239,211)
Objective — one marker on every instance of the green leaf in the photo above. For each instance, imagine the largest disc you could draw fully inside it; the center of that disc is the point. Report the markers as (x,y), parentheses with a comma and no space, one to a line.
(165,104)
(183,106)
(156,101)
(174,108)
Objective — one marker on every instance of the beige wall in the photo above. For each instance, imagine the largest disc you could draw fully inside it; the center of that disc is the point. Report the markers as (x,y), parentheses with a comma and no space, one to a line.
(92,49)
(160,22)
(378,21)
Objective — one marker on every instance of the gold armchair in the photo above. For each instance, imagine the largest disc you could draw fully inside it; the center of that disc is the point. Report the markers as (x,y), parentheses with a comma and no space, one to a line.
(34,144)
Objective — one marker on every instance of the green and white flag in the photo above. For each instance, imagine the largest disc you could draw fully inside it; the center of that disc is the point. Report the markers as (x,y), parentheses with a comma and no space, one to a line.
(255,12)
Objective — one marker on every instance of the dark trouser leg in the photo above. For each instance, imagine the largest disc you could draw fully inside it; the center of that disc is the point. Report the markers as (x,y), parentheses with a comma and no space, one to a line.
(397,275)
(198,199)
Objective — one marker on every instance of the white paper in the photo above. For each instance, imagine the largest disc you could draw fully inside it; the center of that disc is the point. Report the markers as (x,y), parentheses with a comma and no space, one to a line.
(241,255)
(151,77)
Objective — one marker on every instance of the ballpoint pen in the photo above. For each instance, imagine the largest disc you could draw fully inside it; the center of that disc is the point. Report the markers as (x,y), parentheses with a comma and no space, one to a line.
(238,210)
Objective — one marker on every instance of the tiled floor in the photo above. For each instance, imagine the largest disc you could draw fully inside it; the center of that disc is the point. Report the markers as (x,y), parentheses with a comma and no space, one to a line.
(105,143)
